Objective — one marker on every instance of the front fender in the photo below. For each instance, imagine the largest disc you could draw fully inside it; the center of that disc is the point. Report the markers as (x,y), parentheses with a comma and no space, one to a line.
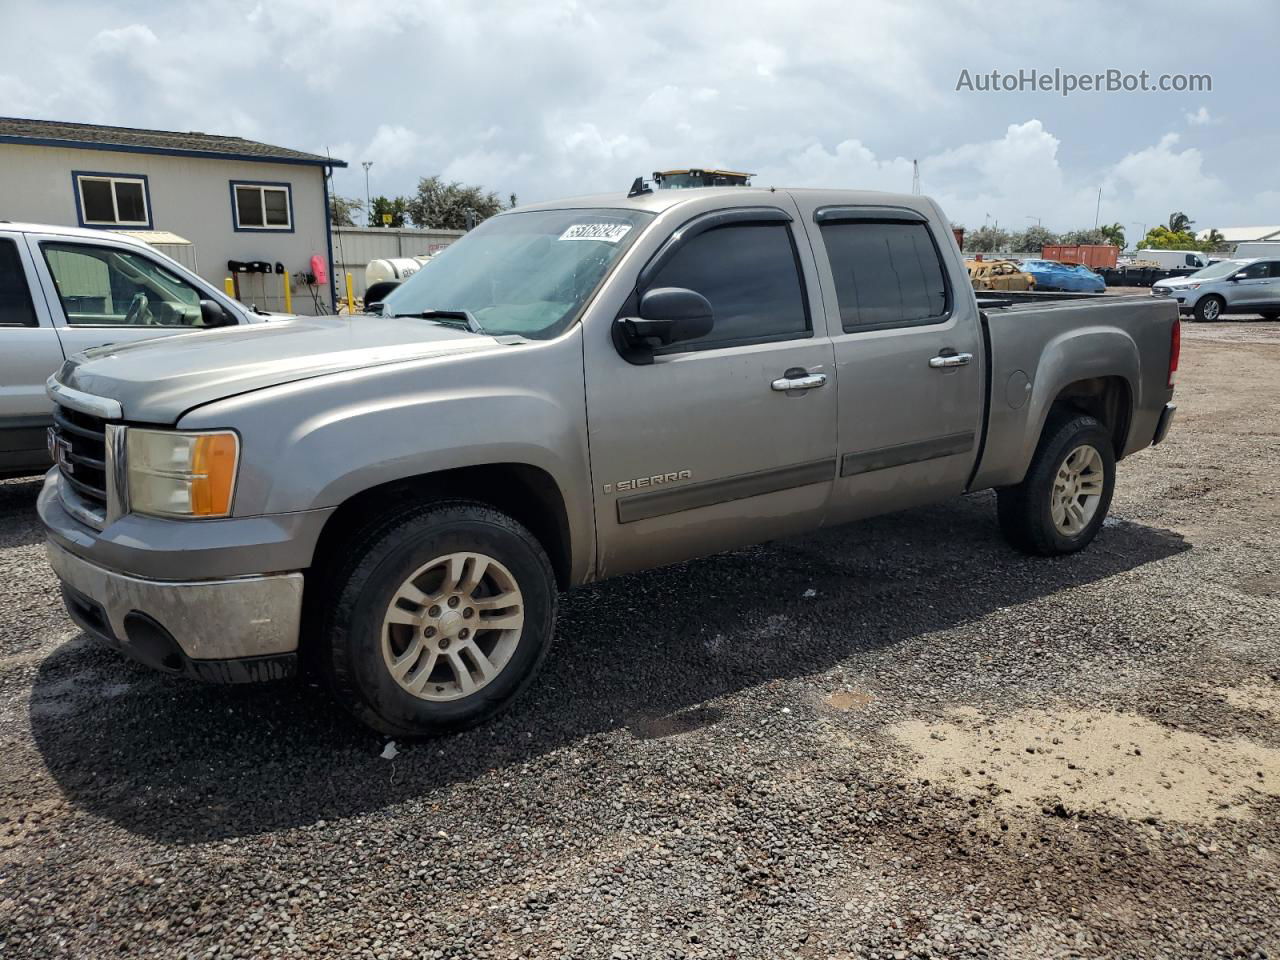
(315,443)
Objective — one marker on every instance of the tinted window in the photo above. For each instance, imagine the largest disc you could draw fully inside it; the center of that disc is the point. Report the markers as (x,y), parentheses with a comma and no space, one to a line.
(886,274)
(750,275)
(1255,271)
(15,297)
(1275,268)
(106,286)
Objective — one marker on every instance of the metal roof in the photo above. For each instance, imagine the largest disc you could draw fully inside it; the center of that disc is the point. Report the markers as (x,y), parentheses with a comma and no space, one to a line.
(92,136)
(1242,234)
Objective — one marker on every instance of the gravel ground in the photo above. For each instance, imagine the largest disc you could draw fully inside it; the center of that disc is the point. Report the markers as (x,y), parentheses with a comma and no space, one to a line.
(911,742)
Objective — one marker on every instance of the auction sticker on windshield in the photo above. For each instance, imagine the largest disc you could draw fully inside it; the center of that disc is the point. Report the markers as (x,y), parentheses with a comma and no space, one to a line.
(608,232)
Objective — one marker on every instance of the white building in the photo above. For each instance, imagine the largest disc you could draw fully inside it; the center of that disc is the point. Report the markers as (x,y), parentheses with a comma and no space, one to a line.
(1234,235)
(223,206)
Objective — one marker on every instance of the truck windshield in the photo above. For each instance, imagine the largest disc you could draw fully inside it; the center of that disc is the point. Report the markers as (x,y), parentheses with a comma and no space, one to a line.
(1223,268)
(528,274)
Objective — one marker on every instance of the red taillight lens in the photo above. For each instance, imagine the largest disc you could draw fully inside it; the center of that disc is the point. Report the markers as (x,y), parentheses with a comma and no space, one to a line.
(1175,351)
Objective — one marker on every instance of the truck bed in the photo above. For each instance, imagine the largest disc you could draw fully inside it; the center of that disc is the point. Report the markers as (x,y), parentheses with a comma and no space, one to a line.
(1040,345)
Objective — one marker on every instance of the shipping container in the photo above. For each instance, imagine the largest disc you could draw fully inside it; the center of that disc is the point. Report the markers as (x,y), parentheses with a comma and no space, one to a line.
(1092,255)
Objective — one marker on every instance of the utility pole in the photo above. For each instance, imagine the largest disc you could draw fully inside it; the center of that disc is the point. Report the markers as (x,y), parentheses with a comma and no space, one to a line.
(1036,219)
(915,176)
(1134,223)
(1097,210)
(368,206)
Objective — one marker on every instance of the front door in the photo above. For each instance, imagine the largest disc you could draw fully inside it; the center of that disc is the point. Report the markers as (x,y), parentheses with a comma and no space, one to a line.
(725,440)
(908,352)
(106,293)
(29,353)
(1253,287)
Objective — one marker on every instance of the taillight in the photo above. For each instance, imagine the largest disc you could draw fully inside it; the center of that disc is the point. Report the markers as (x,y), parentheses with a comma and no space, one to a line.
(1175,351)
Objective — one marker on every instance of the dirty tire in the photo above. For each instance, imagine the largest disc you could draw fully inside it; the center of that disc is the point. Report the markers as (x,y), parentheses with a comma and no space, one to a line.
(1209,308)
(377,561)
(1025,511)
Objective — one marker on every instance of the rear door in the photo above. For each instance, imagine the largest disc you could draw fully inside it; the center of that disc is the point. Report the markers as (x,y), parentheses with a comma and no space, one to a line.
(706,448)
(104,292)
(908,353)
(29,353)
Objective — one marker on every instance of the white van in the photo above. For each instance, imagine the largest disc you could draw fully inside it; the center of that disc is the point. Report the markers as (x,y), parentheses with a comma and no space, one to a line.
(1176,259)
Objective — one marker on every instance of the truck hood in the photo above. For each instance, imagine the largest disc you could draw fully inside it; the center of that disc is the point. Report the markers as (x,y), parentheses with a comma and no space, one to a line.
(156,381)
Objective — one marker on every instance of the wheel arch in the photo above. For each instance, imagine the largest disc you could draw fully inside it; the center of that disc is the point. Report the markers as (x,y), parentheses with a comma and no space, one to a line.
(1108,399)
(526,493)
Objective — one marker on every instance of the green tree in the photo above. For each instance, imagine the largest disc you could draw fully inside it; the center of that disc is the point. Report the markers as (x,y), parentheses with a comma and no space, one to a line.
(398,207)
(1179,222)
(444,206)
(342,210)
(987,240)
(1161,237)
(1032,239)
(1214,242)
(1113,233)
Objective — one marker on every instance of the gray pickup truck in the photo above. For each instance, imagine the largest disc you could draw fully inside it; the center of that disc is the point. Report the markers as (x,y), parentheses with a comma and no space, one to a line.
(573,391)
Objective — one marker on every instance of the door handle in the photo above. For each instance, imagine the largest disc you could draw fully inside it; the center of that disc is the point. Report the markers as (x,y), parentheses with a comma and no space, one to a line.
(798,380)
(944,360)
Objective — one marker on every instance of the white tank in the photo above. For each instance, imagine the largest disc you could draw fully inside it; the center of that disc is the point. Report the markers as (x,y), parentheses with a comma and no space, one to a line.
(395,268)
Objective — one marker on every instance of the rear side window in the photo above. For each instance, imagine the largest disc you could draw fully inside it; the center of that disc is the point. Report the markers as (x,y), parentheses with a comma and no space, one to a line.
(751,275)
(15,296)
(887,274)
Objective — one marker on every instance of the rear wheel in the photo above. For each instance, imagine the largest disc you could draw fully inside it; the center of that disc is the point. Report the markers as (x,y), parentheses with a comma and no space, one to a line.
(1210,308)
(1269,314)
(1063,500)
(442,615)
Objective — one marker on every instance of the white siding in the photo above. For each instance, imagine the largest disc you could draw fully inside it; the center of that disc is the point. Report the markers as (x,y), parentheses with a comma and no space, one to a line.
(188,195)
(354,247)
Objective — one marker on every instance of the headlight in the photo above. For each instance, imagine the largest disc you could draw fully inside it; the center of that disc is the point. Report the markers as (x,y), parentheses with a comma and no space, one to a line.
(1193,286)
(174,474)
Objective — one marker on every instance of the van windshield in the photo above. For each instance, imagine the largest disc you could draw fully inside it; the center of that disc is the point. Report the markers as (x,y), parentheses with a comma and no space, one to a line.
(1223,268)
(528,274)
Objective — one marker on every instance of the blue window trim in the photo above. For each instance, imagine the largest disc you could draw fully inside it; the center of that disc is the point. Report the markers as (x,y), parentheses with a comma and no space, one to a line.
(287,187)
(146,198)
(167,151)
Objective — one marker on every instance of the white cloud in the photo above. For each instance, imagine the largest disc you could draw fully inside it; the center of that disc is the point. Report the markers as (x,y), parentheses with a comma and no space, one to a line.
(552,98)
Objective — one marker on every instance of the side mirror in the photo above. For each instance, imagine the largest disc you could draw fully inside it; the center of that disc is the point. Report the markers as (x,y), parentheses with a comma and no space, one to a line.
(212,314)
(376,293)
(1234,278)
(667,315)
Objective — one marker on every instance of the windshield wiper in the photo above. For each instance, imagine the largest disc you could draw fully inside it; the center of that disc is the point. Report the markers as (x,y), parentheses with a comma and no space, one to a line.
(466,317)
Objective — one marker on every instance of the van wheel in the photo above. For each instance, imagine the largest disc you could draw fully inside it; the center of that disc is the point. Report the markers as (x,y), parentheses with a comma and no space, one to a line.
(1061,503)
(1209,308)
(442,615)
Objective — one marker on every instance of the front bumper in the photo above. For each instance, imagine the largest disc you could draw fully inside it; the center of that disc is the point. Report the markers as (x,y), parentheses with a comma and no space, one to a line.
(231,630)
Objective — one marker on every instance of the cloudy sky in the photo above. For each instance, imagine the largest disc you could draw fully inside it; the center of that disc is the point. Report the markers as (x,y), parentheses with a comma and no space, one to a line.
(549,98)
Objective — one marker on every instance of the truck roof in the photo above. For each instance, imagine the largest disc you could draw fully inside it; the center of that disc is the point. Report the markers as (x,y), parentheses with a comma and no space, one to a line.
(661,200)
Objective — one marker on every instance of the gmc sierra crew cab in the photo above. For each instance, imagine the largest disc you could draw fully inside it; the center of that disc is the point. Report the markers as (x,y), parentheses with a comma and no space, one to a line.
(572,391)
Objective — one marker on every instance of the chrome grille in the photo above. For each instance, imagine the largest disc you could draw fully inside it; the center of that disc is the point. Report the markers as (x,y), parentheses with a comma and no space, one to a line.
(79,447)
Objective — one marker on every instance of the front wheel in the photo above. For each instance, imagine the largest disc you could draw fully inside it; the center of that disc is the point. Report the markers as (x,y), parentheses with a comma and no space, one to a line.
(441,616)
(1061,503)
(1209,308)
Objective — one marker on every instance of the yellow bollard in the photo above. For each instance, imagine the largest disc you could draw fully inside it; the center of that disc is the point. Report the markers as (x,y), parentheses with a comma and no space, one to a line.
(229,285)
(288,294)
(351,297)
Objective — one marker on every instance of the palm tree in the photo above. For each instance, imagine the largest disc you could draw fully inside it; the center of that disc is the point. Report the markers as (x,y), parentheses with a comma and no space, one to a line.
(1214,241)
(1179,222)
(1113,233)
